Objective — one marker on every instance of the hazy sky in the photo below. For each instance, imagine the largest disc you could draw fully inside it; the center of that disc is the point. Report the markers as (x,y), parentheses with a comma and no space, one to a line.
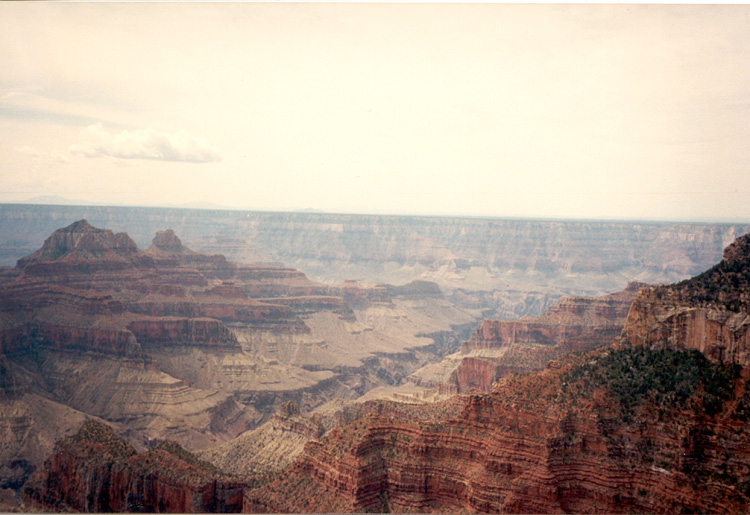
(504,110)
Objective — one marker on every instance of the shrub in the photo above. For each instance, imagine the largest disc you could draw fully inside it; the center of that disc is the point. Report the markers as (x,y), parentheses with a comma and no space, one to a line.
(669,378)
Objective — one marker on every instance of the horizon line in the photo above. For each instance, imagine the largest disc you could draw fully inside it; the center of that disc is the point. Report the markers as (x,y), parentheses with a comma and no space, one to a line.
(320,212)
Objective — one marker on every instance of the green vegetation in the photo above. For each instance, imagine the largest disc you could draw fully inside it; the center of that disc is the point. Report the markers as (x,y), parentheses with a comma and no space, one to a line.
(178,451)
(98,432)
(742,412)
(666,378)
(724,285)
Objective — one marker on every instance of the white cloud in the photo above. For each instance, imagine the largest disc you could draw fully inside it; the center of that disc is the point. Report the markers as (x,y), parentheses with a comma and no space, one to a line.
(43,157)
(145,144)
(30,151)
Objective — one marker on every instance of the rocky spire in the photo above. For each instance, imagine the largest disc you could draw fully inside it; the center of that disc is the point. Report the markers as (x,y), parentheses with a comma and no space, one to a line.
(82,241)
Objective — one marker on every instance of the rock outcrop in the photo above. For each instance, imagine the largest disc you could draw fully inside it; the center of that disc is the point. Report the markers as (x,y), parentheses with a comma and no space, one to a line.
(183,331)
(649,424)
(709,313)
(99,327)
(568,439)
(575,323)
(646,427)
(97,471)
(169,343)
(498,348)
(269,448)
(80,243)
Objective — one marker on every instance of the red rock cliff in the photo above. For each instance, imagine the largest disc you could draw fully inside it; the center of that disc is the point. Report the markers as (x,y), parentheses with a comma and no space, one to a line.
(183,331)
(709,313)
(498,348)
(560,441)
(96,471)
(576,323)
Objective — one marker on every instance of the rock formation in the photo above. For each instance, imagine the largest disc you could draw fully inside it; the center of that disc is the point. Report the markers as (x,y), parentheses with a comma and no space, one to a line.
(502,347)
(709,313)
(97,471)
(269,448)
(169,343)
(648,425)
(638,426)
(568,439)
(501,268)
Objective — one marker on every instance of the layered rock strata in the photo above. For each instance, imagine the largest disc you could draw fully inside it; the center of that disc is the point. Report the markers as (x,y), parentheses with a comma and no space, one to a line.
(709,313)
(507,268)
(620,429)
(498,348)
(269,448)
(559,441)
(647,425)
(95,323)
(97,471)
(169,343)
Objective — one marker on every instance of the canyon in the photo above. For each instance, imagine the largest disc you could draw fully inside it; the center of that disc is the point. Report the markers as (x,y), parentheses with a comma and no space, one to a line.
(171,344)
(656,422)
(498,348)
(499,268)
(549,442)
(495,372)
(708,313)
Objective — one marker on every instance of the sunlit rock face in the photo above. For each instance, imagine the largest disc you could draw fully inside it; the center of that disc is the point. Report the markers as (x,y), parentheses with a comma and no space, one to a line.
(632,427)
(654,423)
(97,471)
(564,440)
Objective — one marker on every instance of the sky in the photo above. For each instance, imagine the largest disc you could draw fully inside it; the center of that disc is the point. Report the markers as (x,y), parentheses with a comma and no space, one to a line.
(543,111)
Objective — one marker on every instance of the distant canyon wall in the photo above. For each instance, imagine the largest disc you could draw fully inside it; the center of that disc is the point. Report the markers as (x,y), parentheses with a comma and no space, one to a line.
(507,268)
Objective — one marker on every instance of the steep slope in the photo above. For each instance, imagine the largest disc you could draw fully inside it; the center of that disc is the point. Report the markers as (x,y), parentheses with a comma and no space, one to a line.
(501,347)
(269,448)
(169,343)
(97,471)
(647,425)
(29,425)
(580,438)
(709,313)
(620,429)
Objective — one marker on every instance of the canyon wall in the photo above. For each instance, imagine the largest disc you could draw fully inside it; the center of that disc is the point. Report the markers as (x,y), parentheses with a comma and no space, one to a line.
(649,424)
(655,423)
(97,471)
(709,313)
(498,348)
(170,343)
(508,268)
(559,441)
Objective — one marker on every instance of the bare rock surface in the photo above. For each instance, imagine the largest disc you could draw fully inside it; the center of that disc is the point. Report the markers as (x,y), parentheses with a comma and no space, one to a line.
(654,423)
(498,348)
(97,471)
(557,441)
(172,344)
